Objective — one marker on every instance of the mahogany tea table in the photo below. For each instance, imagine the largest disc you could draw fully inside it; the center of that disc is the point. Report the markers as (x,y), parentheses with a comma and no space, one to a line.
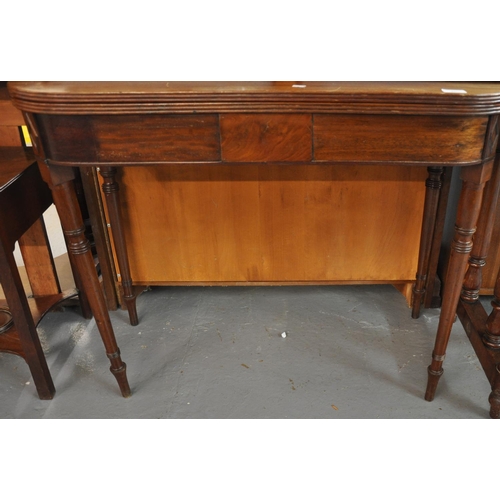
(125,124)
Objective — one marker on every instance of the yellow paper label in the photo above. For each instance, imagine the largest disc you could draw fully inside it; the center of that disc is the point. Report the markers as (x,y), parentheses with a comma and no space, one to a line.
(26,135)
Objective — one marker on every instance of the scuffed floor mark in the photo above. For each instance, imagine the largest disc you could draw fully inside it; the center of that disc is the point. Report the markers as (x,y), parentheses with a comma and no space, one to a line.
(86,362)
(428,318)
(43,340)
(366,325)
(362,324)
(183,361)
(404,365)
(77,333)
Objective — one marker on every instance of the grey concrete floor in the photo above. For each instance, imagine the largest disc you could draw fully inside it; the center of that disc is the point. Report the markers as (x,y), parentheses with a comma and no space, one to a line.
(350,352)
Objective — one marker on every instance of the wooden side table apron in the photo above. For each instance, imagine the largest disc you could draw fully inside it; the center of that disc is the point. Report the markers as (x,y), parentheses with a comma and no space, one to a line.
(110,125)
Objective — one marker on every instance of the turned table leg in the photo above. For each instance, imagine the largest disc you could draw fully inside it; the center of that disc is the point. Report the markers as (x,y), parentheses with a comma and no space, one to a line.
(491,339)
(473,281)
(110,189)
(66,202)
(433,187)
(474,179)
(482,239)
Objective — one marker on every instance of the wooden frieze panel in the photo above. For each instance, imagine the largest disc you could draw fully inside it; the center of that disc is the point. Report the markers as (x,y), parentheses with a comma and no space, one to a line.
(159,138)
(418,139)
(155,138)
(257,137)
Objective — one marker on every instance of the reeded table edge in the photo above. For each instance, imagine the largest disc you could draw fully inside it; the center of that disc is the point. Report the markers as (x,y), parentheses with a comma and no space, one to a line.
(255,101)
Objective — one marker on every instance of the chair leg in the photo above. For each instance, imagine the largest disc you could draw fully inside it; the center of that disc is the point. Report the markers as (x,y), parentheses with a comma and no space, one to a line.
(25,326)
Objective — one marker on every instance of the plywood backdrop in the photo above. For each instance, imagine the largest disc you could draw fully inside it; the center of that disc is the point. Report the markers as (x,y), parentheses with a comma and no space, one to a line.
(268,224)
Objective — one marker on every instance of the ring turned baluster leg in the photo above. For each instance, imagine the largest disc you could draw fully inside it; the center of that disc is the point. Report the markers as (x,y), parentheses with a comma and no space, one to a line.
(491,339)
(482,239)
(474,179)
(72,223)
(110,189)
(473,279)
(433,188)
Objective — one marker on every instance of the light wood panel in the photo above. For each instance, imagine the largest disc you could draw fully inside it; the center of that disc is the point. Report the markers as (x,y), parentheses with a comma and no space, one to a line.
(272,223)
(492,267)
(10,119)
(9,137)
(38,260)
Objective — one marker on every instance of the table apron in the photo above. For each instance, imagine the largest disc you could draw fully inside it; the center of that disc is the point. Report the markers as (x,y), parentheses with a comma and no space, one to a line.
(262,137)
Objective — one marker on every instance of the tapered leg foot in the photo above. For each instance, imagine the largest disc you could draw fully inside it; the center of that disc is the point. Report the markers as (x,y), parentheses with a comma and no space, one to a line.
(494,400)
(130,298)
(417,302)
(119,369)
(132,310)
(432,383)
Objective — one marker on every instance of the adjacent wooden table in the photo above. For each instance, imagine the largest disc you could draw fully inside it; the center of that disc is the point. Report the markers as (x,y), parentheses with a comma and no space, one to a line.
(24,197)
(115,124)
